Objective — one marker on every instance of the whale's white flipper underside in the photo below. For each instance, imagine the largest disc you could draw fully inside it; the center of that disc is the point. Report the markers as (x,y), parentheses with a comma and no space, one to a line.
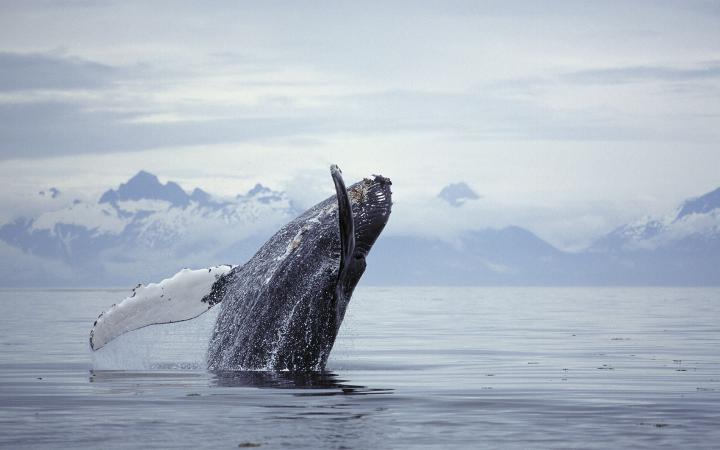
(174,299)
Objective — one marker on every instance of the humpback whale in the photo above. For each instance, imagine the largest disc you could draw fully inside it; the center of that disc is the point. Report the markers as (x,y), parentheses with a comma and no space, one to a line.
(283,308)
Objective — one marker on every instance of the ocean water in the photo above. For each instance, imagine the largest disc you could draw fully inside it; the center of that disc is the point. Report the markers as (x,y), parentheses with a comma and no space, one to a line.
(412,368)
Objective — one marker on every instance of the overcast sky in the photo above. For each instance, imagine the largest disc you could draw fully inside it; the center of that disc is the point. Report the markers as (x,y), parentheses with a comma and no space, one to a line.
(565,117)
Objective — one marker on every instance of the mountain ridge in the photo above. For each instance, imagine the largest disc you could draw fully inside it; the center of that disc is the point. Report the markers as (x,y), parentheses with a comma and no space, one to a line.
(145,230)
(145,185)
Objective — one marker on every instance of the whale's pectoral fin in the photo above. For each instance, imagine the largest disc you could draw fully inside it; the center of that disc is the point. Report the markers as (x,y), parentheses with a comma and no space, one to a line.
(186,295)
(345,219)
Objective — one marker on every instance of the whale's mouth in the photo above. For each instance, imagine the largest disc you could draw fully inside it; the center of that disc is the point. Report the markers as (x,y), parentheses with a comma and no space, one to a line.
(372,204)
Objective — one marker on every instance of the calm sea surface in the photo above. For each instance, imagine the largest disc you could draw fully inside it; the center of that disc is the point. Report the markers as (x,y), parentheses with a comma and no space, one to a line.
(412,367)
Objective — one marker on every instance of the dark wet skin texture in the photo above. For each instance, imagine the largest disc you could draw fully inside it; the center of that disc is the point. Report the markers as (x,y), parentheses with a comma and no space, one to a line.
(282,310)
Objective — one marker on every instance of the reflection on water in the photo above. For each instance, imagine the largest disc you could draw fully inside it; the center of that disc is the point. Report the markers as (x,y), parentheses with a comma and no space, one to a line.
(325,383)
(114,376)
(454,367)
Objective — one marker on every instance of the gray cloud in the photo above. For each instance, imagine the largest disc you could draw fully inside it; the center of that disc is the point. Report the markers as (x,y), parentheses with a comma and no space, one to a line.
(32,130)
(19,71)
(454,70)
(480,116)
(633,74)
(41,129)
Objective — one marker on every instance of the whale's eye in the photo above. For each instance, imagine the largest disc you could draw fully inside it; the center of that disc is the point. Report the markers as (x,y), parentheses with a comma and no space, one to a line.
(359,256)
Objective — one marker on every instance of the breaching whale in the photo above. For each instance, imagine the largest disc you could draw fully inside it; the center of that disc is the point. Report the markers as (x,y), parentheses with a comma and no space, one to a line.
(283,308)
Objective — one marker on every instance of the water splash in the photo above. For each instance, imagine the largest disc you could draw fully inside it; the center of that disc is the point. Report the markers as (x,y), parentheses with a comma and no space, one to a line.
(173,346)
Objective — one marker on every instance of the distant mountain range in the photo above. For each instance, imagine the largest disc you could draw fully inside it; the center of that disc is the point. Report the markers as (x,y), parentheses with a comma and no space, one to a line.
(140,230)
(693,227)
(682,248)
(145,230)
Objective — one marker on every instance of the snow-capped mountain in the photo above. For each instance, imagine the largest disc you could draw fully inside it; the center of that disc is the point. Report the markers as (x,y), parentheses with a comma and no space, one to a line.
(144,231)
(456,194)
(144,219)
(682,248)
(694,225)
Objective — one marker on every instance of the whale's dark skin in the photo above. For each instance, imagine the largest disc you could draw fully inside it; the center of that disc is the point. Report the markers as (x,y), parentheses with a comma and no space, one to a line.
(282,309)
